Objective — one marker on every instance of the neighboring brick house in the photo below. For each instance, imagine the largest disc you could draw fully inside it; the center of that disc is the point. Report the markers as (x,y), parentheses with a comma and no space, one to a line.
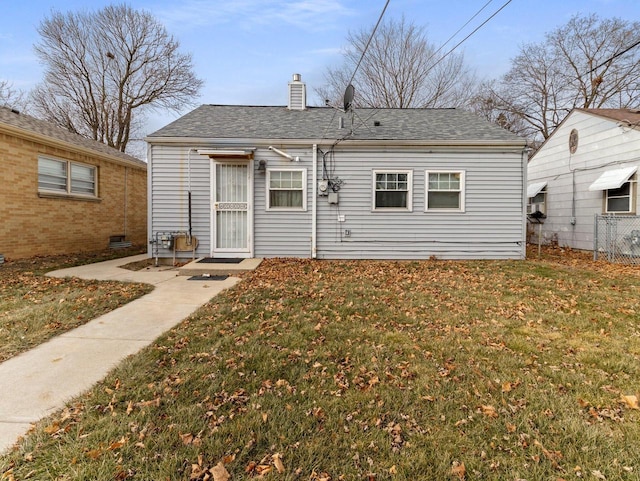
(62,193)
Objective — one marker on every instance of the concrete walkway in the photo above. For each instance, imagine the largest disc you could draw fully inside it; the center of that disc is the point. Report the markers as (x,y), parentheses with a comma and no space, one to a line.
(41,381)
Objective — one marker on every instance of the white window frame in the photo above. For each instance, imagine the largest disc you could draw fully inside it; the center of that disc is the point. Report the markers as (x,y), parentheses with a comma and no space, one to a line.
(408,207)
(68,188)
(268,189)
(461,191)
(631,206)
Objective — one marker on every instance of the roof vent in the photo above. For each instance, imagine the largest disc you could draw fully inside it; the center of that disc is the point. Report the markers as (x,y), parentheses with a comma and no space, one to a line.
(297,93)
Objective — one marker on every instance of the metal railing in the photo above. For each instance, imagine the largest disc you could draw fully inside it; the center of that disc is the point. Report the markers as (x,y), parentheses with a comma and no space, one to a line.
(617,238)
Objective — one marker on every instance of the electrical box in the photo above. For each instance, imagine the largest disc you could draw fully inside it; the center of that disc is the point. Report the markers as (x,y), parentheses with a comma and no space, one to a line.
(333,198)
(323,188)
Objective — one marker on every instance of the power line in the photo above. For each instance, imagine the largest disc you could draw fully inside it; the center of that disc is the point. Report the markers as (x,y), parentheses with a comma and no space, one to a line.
(474,31)
(369,41)
(360,61)
(613,57)
(459,30)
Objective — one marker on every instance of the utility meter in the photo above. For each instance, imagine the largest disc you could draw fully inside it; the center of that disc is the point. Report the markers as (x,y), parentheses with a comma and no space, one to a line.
(323,187)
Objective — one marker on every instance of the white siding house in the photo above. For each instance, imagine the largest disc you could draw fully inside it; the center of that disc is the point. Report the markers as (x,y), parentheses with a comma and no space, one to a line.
(315,182)
(588,166)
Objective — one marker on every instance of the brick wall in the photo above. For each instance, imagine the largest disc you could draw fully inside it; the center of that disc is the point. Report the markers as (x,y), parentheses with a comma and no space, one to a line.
(32,224)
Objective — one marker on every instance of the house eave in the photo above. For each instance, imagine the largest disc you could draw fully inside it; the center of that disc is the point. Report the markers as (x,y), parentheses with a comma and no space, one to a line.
(221,142)
(62,144)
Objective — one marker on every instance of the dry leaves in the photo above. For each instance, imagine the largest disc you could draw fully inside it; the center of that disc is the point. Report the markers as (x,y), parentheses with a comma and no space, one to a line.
(631,401)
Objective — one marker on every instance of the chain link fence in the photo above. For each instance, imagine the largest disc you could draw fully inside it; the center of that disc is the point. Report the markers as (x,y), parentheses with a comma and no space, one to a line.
(617,239)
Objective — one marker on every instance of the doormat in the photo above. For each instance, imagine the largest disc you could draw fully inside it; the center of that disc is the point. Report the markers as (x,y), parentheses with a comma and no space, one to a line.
(207,277)
(220,260)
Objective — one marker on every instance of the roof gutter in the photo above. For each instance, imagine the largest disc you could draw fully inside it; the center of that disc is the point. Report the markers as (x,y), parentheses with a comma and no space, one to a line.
(520,143)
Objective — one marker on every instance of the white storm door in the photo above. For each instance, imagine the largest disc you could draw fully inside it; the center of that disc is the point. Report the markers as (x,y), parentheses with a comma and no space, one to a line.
(231,213)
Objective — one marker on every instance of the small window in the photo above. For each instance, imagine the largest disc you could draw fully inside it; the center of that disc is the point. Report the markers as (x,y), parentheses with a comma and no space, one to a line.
(52,175)
(83,179)
(538,203)
(61,176)
(620,200)
(286,190)
(392,190)
(445,191)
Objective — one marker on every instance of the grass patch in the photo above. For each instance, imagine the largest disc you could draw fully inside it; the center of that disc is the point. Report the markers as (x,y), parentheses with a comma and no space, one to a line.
(34,308)
(372,370)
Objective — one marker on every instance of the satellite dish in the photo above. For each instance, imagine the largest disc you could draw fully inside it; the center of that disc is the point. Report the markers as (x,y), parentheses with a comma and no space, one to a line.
(348,97)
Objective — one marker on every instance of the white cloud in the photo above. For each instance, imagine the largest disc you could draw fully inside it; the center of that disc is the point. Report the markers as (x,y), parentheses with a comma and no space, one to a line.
(247,14)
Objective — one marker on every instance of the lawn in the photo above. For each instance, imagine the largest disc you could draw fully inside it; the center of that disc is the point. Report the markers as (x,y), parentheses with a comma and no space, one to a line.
(366,370)
(34,308)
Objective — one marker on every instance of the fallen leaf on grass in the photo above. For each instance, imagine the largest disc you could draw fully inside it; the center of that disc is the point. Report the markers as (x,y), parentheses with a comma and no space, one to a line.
(117,444)
(552,456)
(489,411)
(459,470)
(277,462)
(220,473)
(631,401)
(94,453)
(52,428)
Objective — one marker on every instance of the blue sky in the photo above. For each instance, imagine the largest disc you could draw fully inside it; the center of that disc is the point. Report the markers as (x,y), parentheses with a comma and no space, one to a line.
(247,50)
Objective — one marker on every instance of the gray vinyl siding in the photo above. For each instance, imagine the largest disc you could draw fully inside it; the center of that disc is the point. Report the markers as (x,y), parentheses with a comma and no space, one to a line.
(282,233)
(491,227)
(168,198)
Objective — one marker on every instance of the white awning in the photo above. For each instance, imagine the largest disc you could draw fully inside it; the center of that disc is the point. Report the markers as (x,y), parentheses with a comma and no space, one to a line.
(535,189)
(613,179)
(227,153)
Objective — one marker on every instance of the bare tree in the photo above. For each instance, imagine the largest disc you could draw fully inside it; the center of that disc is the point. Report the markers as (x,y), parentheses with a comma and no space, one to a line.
(587,63)
(400,69)
(10,97)
(104,70)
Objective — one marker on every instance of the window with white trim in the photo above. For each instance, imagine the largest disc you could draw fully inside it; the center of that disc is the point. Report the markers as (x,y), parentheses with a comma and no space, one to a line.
(538,203)
(65,177)
(445,191)
(620,200)
(392,189)
(286,189)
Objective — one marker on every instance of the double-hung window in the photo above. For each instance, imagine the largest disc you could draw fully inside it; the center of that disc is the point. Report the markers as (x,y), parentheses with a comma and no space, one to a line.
(619,189)
(620,200)
(286,189)
(392,190)
(64,177)
(445,191)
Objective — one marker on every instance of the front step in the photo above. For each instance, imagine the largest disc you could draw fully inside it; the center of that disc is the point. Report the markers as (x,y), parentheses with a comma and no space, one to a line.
(196,268)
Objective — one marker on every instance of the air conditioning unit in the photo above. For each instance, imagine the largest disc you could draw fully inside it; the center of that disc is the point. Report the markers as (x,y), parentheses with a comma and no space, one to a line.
(536,208)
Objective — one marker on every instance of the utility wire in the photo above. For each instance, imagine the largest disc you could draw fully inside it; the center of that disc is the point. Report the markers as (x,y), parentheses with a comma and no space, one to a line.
(360,61)
(459,30)
(611,58)
(369,42)
(474,31)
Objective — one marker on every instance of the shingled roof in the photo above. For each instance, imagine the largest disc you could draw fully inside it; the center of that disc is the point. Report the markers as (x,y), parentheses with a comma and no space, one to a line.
(629,117)
(48,132)
(317,123)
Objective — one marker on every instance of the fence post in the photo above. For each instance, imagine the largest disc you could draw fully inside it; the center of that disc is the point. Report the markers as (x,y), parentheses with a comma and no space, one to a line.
(595,237)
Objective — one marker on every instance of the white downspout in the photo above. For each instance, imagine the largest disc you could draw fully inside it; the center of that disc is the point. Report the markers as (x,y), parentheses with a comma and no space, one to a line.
(314,208)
